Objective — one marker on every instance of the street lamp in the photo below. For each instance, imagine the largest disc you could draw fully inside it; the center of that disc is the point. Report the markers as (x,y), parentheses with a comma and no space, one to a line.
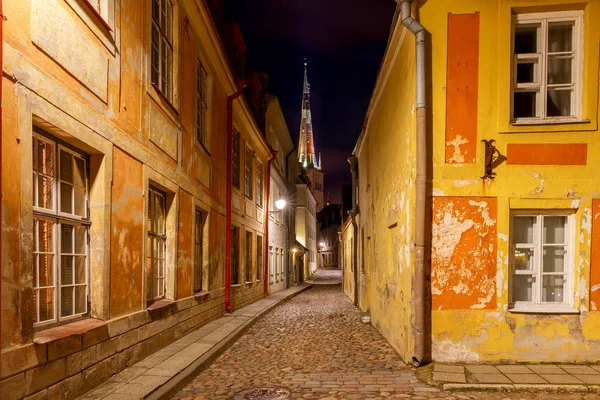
(279,204)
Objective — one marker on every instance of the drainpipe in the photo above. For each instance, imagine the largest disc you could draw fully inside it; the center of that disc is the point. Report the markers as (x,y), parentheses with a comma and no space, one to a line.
(241,84)
(421,183)
(2,19)
(353,213)
(267,199)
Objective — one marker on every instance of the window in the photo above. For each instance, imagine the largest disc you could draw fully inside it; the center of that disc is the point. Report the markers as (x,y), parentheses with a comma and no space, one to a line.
(198,231)
(541,260)
(259,257)
(271,261)
(201,105)
(259,178)
(101,7)
(547,57)
(248,256)
(156,246)
(235,160)
(61,228)
(162,47)
(248,169)
(235,251)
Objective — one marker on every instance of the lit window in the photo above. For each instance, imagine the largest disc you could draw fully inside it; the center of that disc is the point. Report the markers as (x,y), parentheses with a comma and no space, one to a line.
(259,257)
(248,256)
(541,260)
(235,160)
(156,245)
(162,47)
(198,232)
(60,226)
(249,160)
(547,58)
(201,105)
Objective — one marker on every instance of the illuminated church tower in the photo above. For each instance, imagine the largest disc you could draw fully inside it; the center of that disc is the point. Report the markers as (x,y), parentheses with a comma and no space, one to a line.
(306,147)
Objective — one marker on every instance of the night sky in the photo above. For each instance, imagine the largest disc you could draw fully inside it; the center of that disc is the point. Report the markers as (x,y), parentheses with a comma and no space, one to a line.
(344,42)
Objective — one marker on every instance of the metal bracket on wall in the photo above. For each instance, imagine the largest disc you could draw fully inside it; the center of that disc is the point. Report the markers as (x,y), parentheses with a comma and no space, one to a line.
(491,156)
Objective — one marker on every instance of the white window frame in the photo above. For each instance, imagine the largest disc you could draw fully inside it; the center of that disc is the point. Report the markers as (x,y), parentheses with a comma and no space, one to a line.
(541,72)
(59,218)
(201,105)
(536,305)
(157,290)
(271,262)
(164,79)
(101,7)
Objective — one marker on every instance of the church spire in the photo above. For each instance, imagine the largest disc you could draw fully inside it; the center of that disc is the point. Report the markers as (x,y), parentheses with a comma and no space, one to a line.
(306,146)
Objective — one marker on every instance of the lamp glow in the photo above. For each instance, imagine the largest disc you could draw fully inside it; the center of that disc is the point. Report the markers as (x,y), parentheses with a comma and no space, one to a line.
(280,204)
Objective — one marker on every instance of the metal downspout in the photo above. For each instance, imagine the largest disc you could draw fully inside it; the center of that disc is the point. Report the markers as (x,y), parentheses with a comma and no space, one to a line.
(353,213)
(241,84)
(2,19)
(421,183)
(267,199)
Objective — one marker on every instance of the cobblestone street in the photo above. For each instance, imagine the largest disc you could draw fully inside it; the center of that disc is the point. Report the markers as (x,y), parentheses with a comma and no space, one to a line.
(315,346)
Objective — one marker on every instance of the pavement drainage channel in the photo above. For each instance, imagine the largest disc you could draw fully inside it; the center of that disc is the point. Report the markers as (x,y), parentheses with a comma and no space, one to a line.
(263,393)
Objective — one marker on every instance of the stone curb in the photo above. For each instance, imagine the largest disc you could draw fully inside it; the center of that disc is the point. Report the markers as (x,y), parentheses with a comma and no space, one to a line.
(177,382)
(521,387)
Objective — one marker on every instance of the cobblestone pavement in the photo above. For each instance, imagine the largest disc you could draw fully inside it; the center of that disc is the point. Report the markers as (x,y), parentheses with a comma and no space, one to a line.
(315,346)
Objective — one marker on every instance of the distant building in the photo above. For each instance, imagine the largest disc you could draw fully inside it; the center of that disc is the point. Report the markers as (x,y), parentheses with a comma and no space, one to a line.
(306,224)
(329,220)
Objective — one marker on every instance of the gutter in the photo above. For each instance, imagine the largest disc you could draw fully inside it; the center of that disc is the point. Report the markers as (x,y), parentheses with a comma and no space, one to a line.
(287,211)
(422,201)
(353,213)
(241,84)
(2,19)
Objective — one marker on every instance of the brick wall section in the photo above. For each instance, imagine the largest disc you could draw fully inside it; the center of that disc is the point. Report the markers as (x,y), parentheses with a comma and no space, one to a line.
(246,293)
(68,367)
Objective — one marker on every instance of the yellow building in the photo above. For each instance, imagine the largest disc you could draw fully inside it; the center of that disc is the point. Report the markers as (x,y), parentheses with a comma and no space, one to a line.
(114,181)
(477,158)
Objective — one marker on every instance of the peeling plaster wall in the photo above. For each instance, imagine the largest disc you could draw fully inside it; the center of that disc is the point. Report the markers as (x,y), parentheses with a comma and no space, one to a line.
(90,88)
(471,320)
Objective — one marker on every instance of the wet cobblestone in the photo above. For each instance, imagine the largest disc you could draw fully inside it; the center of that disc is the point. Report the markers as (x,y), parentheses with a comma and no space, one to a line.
(315,346)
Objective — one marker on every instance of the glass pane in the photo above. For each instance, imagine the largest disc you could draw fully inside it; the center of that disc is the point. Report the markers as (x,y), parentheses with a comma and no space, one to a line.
(163,14)
(554,259)
(46,270)
(526,39)
(66,301)
(553,289)
(45,236)
(149,278)
(559,103)
(155,54)
(524,105)
(46,304)
(80,270)
(80,206)
(560,37)
(79,178)
(80,239)
(559,70)
(523,229)
(45,158)
(66,201)
(524,259)
(526,72)
(80,300)
(554,229)
(522,288)
(66,239)
(155,9)
(45,192)
(66,270)
(66,167)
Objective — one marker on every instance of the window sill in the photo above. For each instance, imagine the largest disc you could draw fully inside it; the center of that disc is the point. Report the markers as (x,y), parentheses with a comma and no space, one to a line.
(98,16)
(164,98)
(202,149)
(202,295)
(161,308)
(543,310)
(236,285)
(547,121)
(80,327)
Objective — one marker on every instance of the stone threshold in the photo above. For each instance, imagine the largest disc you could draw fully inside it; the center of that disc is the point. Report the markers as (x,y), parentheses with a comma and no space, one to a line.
(521,388)
(162,374)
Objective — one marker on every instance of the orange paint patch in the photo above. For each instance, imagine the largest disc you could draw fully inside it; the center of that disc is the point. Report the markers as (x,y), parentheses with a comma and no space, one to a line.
(463,254)
(185,245)
(595,262)
(461,88)
(127,235)
(547,154)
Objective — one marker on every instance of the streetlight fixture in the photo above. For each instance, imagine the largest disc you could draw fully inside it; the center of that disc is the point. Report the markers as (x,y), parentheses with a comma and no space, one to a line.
(279,205)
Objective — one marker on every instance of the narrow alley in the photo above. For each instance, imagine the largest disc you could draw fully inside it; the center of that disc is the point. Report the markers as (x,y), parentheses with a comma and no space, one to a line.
(315,346)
